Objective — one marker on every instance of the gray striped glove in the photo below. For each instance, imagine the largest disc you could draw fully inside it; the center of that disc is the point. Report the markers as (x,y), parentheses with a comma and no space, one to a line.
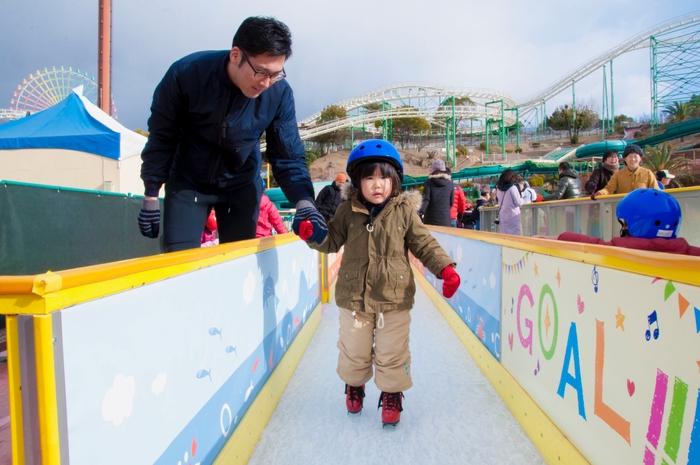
(149,218)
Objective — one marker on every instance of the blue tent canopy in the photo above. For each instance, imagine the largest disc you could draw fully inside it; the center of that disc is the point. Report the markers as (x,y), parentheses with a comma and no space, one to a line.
(66,125)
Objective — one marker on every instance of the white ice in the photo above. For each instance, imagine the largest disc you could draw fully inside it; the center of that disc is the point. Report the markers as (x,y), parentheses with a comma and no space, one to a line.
(452,414)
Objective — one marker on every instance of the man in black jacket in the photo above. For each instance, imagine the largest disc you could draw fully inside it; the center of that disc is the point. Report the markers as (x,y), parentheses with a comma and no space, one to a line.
(207,117)
(601,176)
(330,197)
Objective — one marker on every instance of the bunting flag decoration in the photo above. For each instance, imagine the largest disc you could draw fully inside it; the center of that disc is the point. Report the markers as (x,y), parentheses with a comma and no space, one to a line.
(683,304)
(518,266)
(669,290)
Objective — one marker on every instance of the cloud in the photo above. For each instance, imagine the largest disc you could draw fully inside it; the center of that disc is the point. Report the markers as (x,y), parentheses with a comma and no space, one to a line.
(249,287)
(158,384)
(521,53)
(492,280)
(118,401)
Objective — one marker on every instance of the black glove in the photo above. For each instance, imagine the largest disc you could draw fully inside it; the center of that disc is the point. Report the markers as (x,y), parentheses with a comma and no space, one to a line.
(307,211)
(149,218)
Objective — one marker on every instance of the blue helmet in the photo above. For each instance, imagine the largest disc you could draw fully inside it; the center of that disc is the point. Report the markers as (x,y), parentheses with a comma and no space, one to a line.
(649,213)
(375,150)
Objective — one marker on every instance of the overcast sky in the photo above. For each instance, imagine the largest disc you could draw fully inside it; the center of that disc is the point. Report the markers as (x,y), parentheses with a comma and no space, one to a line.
(345,49)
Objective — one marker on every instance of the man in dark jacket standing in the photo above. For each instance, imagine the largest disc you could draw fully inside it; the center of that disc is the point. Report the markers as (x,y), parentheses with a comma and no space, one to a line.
(601,176)
(569,186)
(329,198)
(207,117)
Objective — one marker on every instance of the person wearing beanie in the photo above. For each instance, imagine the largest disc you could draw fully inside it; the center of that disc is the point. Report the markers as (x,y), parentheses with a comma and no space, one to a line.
(601,176)
(631,177)
(329,198)
(663,177)
(438,195)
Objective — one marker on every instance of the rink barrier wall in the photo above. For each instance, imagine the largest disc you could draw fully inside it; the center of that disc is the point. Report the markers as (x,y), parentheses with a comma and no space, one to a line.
(601,343)
(595,218)
(71,332)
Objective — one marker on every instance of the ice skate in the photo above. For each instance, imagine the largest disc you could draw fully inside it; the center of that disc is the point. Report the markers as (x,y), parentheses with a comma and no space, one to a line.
(392,406)
(354,397)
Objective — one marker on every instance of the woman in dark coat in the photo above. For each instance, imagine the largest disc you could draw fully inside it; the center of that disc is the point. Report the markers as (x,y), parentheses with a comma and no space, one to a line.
(438,196)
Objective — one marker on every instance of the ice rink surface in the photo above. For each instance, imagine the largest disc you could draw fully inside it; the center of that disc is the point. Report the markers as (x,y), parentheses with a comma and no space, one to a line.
(452,414)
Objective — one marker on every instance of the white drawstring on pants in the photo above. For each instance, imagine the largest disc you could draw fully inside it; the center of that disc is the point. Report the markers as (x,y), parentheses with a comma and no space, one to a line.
(380,320)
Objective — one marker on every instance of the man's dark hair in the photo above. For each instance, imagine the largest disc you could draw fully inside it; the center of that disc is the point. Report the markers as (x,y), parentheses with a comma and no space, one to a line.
(564,166)
(258,35)
(660,175)
(610,154)
(365,169)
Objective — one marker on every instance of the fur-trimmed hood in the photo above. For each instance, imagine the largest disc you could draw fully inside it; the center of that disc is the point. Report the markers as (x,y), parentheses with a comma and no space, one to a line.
(413,198)
(440,174)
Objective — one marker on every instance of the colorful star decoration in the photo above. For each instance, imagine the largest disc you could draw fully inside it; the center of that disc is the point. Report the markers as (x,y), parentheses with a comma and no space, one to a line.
(619,320)
(558,278)
(537,273)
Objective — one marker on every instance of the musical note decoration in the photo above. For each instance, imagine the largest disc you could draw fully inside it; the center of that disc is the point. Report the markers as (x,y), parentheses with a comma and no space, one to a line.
(652,319)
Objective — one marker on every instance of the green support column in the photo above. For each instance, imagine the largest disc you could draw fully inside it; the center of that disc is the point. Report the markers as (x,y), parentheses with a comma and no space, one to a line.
(517,126)
(612,99)
(544,116)
(604,113)
(654,89)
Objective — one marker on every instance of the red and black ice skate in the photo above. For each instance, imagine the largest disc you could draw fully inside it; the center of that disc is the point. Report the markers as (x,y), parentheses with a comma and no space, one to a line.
(354,397)
(392,406)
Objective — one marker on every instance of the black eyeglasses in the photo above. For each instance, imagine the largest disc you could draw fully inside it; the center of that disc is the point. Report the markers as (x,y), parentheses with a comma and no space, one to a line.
(262,75)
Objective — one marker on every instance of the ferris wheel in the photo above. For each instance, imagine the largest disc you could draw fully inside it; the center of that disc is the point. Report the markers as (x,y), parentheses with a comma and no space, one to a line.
(46,88)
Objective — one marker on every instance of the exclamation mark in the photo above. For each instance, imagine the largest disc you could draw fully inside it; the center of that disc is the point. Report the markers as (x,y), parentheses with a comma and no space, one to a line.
(675,419)
(656,416)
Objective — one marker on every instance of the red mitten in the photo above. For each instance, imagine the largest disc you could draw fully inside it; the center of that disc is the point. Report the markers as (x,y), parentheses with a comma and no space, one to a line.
(450,282)
(306,230)
(539,199)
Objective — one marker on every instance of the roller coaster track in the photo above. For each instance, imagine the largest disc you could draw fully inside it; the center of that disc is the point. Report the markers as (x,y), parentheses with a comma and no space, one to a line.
(637,42)
(438,112)
(404,93)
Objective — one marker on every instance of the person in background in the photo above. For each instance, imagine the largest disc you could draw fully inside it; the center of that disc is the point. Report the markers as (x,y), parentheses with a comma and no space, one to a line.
(528,193)
(569,186)
(509,202)
(207,117)
(269,218)
(600,177)
(379,225)
(209,238)
(330,197)
(480,202)
(459,205)
(631,177)
(650,220)
(438,195)
(663,178)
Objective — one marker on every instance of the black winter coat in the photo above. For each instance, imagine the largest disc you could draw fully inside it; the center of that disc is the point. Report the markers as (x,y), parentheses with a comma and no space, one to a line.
(438,196)
(328,200)
(598,180)
(206,130)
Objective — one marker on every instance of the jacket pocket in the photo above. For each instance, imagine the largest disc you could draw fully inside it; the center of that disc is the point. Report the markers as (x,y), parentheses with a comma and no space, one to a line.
(238,146)
(348,282)
(400,280)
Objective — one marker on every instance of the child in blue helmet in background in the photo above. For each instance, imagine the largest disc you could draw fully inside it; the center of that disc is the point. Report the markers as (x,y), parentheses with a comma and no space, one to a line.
(650,220)
(379,225)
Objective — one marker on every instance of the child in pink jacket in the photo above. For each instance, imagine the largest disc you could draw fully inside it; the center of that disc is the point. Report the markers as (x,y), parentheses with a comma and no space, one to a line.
(269,218)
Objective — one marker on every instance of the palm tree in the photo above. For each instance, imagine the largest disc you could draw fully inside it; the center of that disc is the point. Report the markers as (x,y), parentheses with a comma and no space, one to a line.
(679,111)
(657,159)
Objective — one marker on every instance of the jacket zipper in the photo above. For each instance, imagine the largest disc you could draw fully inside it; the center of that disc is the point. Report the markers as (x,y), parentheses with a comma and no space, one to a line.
(222,136)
